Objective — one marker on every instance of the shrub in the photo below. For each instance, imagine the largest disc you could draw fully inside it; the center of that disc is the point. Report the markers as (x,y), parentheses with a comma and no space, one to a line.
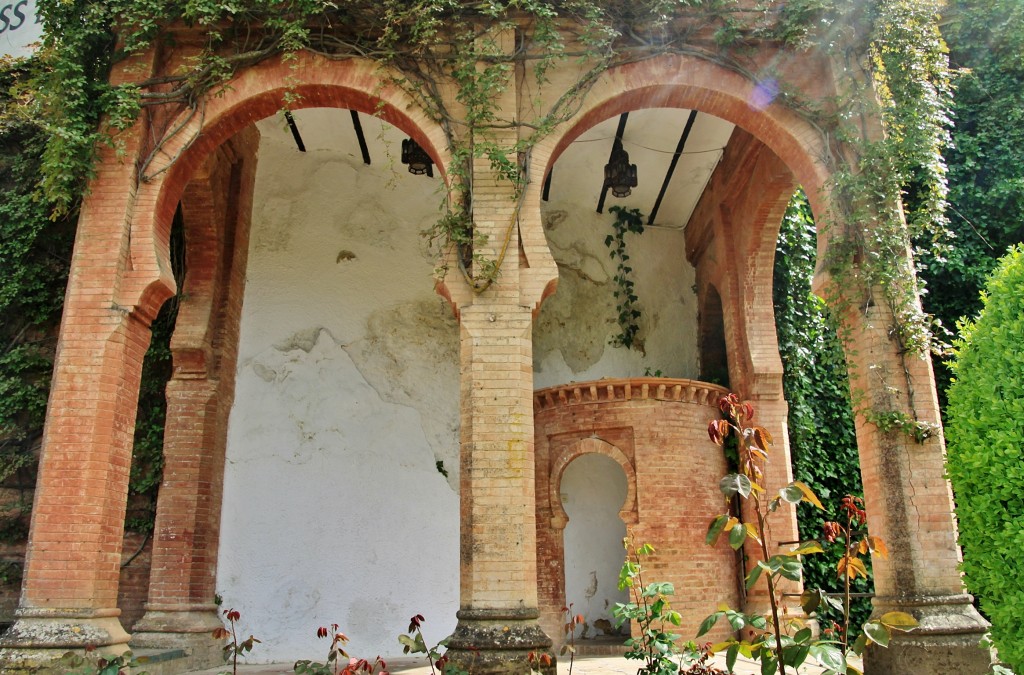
(986,446)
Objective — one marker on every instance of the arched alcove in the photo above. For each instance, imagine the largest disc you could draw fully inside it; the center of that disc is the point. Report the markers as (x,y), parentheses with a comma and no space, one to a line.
(714,357)
(593,489)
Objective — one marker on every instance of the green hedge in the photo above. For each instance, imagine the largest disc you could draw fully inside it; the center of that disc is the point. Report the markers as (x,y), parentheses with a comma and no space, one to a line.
(986,454)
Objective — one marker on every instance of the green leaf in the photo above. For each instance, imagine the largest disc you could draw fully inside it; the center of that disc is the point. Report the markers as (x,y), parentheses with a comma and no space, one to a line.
(735,483)
(791,494)
(754,575)
(709,622)
(737,535)
(877,633)
(730,657)
(715,529)
(736,620)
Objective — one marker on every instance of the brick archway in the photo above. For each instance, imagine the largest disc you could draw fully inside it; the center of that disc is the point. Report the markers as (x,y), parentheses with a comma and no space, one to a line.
(627,513)
(686,82)
(305,81)
(121,275)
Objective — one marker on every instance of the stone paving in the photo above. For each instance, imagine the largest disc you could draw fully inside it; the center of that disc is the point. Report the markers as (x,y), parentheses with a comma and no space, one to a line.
(585,665)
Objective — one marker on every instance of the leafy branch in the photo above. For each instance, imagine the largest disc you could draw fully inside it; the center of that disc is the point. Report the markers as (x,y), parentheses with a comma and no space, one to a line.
(626,220)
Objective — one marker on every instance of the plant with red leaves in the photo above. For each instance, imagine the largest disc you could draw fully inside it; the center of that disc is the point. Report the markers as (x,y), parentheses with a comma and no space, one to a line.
(234,648)
(437,656)
(701,666)
(856,542)
(339,662)
(572,621)
(773,644)
(539,661)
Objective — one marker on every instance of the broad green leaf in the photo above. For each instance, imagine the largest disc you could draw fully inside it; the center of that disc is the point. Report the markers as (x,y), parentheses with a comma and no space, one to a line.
(810,600)
(715,529)
(791,569)
(754,575)
(830,657)
(791,494)
(736,536)
(730,657)
(877,633)
(735,483)
(707,623)
(769,666)
(735,620)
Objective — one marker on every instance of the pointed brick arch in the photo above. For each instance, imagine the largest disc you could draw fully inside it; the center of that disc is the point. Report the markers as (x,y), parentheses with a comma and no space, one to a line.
(305,81)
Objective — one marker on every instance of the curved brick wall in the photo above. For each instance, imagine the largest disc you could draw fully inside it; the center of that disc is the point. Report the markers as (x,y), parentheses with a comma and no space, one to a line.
(656,429)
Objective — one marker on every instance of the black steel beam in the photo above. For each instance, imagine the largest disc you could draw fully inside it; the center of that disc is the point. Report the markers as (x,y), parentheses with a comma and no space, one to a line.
(672,165)
(617,144)
(295,131)
(360,137)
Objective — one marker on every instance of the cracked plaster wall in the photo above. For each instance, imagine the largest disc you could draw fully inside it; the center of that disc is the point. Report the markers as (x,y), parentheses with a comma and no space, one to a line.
(348,394)
(575,326)
(347,397)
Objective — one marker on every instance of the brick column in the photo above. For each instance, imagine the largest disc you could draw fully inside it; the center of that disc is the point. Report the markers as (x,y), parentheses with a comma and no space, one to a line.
(497,620)
(69,592)
(910,506)
(216,209)
(498,594)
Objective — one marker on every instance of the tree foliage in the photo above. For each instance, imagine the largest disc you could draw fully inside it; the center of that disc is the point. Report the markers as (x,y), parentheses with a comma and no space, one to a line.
(986,454)
(986,157)
(822,439)
(35,254)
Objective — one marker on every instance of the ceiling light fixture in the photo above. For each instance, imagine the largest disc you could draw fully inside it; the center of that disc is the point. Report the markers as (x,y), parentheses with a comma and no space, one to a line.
(417,159)
(619,174)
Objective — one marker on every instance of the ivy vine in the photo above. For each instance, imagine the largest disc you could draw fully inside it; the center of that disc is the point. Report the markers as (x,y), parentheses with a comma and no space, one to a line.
(626,308)
(437,45)
(61,103)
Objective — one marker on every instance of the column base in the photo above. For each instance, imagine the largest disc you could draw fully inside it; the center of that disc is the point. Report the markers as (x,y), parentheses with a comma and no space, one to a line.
(186,627)
(947,639)
(40,637)
(500,641)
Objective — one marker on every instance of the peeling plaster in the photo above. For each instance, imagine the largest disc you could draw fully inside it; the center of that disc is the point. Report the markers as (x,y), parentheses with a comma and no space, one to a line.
(330,488)
(405,348)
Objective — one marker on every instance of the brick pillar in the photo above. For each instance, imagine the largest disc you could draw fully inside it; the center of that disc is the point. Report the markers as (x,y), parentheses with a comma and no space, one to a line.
(497,620)
(910,506)
(69,592)
(216,209)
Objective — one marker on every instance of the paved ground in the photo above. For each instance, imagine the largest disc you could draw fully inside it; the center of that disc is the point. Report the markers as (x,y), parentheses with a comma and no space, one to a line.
(587,665)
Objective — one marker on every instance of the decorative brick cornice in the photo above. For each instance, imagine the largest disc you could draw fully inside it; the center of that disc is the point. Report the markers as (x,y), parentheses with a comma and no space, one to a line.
(628,389)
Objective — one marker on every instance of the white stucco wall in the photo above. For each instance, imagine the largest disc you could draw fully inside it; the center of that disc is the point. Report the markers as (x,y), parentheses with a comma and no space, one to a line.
(347,396)
(593,490)
(574,326)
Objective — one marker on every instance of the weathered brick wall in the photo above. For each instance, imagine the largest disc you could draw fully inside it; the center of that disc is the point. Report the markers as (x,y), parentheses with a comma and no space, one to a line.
(133,589)
(656,429)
